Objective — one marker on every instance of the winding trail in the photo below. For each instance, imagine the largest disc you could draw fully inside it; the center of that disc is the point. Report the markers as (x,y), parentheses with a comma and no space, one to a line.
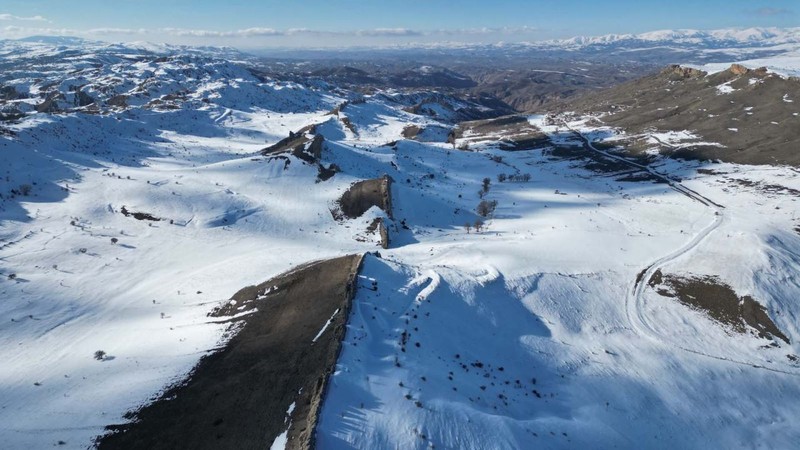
(635,299)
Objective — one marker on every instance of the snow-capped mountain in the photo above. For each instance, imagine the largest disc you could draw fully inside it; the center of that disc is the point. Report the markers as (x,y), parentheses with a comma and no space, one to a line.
(713,39)
(658,47)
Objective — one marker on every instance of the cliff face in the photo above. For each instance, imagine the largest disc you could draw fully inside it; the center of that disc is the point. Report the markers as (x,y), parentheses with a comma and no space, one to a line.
(363,195)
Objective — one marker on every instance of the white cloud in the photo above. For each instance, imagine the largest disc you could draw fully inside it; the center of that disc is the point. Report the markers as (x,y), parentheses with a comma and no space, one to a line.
(388,32)
(485,30)
(260,36)
(266,32)
(11,17)
(248,32)
(117,31)
(18,31)
(270,32)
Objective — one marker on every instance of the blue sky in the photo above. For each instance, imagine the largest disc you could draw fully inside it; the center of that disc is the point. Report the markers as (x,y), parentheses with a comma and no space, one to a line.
(292,23)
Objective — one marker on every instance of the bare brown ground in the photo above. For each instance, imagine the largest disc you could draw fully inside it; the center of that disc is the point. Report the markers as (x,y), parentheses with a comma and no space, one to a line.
(720,302)
(238,397)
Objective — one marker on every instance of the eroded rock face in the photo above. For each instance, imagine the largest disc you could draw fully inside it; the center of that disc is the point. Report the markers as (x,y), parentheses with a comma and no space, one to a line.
(738,69)
(8,93)
(292,142)
(83,99)
(120,101)
(683,72)
(363,195)
(306,146)
(50,105)
(316,146)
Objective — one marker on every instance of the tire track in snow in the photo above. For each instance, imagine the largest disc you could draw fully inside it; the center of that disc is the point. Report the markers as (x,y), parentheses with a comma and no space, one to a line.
(634,301)
(223,116)
(635,298)
(433,279)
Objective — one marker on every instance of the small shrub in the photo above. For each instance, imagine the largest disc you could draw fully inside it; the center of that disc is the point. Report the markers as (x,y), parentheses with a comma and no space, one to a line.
(114,240)
(501,177)
(25,189)
(99,355)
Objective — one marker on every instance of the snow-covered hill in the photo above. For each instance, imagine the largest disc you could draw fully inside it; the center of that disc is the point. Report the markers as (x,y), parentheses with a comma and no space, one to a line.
(126,219)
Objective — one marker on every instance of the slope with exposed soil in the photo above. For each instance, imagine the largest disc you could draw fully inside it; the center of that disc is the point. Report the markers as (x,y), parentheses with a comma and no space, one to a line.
(720,302)
(286,339)
(509,132)
(740,115)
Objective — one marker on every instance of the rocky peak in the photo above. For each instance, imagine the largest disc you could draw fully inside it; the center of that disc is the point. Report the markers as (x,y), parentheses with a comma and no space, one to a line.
(683,72)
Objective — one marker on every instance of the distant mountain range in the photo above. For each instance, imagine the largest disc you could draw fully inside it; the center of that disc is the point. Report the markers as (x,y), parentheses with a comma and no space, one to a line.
(656,47)
(724,38)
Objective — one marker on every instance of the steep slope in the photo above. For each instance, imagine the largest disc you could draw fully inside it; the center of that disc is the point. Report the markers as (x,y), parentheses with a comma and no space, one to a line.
(278,359)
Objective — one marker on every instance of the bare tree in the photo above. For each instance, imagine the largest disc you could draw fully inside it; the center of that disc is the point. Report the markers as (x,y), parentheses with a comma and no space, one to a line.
(478,225)
(467,226)
(520,177)
(486,208)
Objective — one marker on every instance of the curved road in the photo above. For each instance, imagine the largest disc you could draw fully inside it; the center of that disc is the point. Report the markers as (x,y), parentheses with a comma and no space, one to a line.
(635,300)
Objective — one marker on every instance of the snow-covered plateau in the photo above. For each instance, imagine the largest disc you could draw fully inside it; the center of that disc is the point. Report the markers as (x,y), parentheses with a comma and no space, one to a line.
(137,199)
